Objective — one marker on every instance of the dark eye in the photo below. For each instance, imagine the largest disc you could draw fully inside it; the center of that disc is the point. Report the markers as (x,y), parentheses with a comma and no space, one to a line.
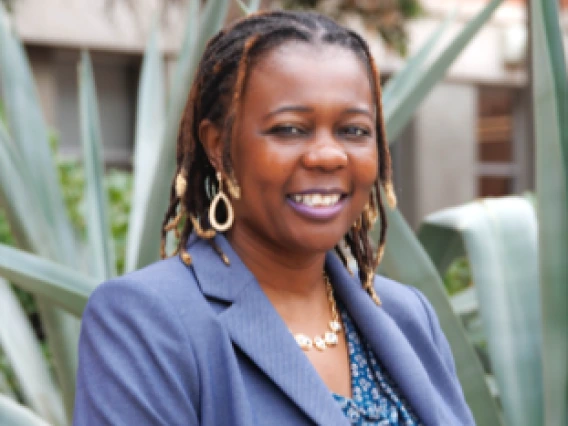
(355,131)
(287,130)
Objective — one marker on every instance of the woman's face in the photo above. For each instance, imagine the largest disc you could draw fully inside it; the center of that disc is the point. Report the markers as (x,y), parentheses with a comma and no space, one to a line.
(304,149)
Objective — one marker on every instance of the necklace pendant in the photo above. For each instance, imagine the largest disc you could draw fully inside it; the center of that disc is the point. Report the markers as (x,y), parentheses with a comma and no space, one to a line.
(304,342)
(335,326)
(331,338)
(319,343)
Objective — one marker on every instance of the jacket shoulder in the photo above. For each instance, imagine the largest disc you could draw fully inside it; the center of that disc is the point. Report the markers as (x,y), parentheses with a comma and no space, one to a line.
(164,276)
(405,304)
(135,349)
(417,320)
(168,281)
(413,314)
(170,272)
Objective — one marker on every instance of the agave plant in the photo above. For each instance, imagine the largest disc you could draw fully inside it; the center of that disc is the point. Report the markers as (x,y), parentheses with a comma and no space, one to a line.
(550,94)
(518,263)
(499,237)
(30,195)
(64,280)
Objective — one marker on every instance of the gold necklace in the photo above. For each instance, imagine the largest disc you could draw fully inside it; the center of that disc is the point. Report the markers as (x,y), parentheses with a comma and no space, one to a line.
(329,338)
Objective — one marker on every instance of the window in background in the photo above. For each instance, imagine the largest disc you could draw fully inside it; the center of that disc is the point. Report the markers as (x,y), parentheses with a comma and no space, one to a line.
(497,166)
(116,79)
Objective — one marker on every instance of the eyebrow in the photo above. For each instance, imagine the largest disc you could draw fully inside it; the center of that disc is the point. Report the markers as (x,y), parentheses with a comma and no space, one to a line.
(299,108)
(288,108)
(363,111)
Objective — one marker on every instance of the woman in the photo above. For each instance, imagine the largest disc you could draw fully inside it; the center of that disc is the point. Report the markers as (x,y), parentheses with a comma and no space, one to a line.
(259,321)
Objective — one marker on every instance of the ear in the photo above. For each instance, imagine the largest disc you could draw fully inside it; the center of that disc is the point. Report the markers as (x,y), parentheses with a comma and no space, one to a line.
(210,137)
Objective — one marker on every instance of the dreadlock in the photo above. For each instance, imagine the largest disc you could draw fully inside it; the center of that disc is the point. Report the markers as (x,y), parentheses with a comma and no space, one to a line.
(216,95)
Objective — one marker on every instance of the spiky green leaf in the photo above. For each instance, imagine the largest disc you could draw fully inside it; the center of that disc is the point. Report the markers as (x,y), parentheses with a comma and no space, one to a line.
(19,203)
(402,105)
(24,353)
(150,118)
(500,239)
(55,283)
(406,261)
(27,127)
(13,414)
(410,73)
(210,21)
(101,254)
(550,94)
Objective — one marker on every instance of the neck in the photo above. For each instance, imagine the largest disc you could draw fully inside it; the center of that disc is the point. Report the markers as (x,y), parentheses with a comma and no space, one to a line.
(292,282)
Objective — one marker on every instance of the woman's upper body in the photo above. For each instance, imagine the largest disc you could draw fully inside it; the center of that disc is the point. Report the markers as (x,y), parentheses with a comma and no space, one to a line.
(281,156)
(202,345)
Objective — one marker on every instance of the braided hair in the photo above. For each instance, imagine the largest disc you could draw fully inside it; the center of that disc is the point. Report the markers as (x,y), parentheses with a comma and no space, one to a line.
(216,95)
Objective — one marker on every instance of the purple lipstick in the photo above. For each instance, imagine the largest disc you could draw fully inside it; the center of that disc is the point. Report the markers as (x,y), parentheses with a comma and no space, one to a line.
(317,205)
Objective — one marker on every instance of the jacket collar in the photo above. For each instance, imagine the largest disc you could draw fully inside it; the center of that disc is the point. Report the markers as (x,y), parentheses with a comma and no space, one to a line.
(254,325)
(387,341)
(257,329)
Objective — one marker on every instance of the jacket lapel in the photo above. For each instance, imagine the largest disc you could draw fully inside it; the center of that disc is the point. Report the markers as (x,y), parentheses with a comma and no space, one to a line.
(387,341)
(256,328)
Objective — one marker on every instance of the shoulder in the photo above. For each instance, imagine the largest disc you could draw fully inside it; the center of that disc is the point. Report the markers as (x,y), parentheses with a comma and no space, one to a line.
(153,297)
(136,350)
(404,303)
(417,320)
(161,300)
(165,295)
(415,317)
(164,282)
(169,273)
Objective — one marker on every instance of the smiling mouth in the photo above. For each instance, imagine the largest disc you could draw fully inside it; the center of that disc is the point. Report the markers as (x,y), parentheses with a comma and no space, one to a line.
(316,200)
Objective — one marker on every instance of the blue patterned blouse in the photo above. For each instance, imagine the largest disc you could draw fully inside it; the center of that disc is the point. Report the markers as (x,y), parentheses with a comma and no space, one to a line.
(375,398)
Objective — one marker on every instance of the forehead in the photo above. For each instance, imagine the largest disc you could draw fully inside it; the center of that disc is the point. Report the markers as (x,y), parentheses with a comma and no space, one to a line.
(297,71)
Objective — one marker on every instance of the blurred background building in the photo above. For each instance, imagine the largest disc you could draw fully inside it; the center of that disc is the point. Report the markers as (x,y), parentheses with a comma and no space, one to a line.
(471,137)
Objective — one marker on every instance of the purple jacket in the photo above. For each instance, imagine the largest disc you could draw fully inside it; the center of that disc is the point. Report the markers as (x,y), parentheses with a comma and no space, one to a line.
(202,345)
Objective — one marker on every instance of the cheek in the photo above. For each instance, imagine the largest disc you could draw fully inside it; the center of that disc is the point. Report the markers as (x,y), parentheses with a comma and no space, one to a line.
(366,167)
(259,168)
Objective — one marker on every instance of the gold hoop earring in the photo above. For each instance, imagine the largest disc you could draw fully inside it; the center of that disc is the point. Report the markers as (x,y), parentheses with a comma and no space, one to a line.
(221,227)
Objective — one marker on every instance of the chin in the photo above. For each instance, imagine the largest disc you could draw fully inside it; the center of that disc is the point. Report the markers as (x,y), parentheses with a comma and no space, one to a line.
(321,241)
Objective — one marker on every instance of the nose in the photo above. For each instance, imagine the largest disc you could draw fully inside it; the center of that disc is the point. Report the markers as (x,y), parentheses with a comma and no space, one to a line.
(324,152)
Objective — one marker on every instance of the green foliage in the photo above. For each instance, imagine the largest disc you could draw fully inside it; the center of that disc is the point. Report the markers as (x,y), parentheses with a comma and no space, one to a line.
(118,186)
(26,299)
(410,8)
(5,234)
(458,276)
(499,237)
(9,4)
(28,303)
(7,371)
(72,180)
(550,96)
(48,211)
(405,259)
(388,18)
(2,113)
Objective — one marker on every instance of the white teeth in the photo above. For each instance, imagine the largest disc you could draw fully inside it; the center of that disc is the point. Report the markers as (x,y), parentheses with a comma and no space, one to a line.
(316,200)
